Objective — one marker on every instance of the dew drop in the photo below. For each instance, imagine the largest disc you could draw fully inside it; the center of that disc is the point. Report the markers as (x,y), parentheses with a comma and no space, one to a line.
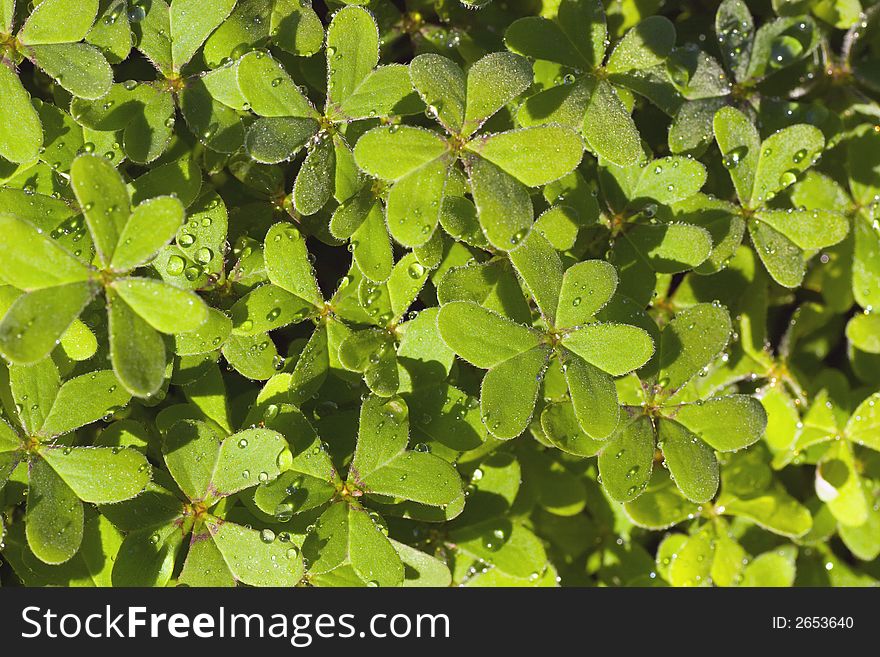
(175,265)
(284,512)
(734,157)
(787,178)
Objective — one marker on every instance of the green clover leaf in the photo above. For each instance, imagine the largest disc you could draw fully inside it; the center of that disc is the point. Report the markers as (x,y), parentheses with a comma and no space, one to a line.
(497,167)
(50,305)
(588,100)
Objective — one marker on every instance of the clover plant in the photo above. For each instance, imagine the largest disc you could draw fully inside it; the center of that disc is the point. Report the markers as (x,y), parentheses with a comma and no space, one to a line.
(123,239)
(61,475)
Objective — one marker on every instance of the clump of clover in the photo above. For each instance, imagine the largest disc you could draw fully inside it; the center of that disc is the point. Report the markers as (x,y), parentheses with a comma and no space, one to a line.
(755,69)
(783,238)
(357,89)
(590,350)
(500,167)
(205,468)
(169,35)
(52,38)
(139,309)
(581,88)
(61,475)
(348,543)
(281,285)
(686,432)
